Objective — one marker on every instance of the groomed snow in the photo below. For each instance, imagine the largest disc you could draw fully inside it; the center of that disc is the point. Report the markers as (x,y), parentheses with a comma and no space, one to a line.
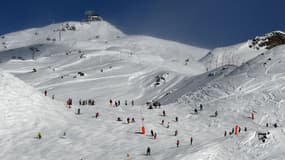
(140,68)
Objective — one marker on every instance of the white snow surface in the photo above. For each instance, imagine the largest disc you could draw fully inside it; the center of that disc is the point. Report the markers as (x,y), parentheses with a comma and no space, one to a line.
(140,68)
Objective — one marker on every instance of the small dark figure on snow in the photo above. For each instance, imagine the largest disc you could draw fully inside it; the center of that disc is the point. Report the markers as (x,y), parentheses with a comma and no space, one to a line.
(97,115)
(201,107)
(216,113)
(40,135)
(128,120)
(175,133)
(148,151)
(176,119)
(177,143)
(126,102)
(155,135)
(151,132)
(191,141)
(239,129)
(45,92)
(78,111)
(196,111)
(111,102)
(119,119)
(133,120)
(275,125)
(225,133)
(163,113)
(167,125)
(162,122)
(52,97)
(245,129)
(133,103)
(267,125)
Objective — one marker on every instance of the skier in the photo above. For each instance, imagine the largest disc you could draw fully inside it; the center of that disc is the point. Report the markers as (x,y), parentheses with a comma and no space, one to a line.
(133,103)
(133,120)
(196,111)
(155,135)
(52,97)
(167,125)
(126,102)
(151,132)
(252,115)
(116,104)
(267,125)
(245,129)
(39,135)
(177,143)
(176,119)
(45,92)
(163,113)
(191,141)
(128,120)
(78,111)
(201,107)
(216,113)
(148,151)
(119,119)
(97,115)
(175,133)
(119,102)
(111,102)
(162,122)
(225,133)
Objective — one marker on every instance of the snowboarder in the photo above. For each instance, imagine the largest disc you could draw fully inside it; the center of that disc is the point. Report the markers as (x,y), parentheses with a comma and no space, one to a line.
(177,143)
(39,135)
(175,133)
(191,141)
(97,115)
(148,151)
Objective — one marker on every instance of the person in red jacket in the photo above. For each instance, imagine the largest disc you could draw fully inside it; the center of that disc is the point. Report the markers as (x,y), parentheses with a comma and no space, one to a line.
(177,143)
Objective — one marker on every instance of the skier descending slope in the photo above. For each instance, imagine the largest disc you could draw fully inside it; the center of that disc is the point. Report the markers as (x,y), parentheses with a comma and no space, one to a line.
(148,151)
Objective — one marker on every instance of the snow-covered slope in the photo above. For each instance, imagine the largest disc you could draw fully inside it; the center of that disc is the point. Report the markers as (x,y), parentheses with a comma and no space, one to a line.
(241,53)
(97,61)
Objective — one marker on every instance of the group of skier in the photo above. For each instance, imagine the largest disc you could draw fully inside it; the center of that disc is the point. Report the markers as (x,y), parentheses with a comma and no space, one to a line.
(117,103)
